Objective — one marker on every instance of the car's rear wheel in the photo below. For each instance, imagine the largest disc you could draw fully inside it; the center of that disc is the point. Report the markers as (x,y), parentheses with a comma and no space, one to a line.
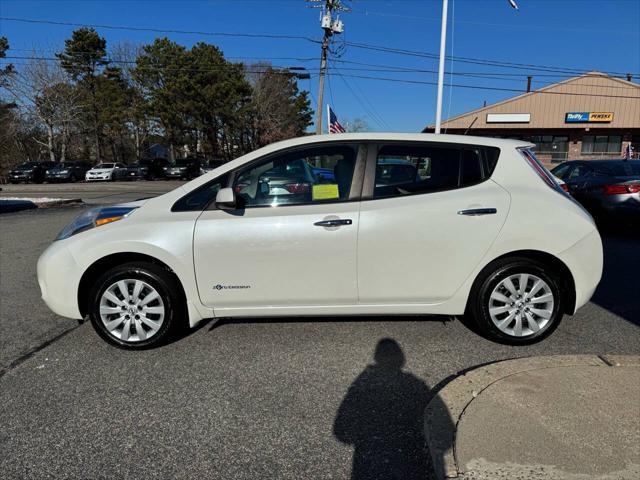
(136,306)
(518,301)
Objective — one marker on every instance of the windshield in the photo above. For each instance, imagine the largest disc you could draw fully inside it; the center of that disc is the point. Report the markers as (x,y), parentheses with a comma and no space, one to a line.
(27,166)
(104,165)
(62,165)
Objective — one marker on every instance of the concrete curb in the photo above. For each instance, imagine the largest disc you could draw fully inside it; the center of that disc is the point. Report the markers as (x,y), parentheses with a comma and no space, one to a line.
(59,203)
(13,206)
(443,413)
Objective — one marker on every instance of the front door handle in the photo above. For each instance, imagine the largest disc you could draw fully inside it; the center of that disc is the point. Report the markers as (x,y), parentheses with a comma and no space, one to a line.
(334,223)
(478,211)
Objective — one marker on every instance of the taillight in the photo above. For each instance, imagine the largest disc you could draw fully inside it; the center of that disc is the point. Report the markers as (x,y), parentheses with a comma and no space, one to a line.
(621,189)
(298,187)
(564,187)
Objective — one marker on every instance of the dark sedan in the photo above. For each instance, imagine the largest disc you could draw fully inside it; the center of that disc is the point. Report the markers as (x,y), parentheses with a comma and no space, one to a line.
(30,172)
(67,172)
(183,169)
(609,189)
(147,169)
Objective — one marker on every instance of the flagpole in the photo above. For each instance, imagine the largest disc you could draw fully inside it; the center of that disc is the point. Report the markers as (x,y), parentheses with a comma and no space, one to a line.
(443,43)
(328,119)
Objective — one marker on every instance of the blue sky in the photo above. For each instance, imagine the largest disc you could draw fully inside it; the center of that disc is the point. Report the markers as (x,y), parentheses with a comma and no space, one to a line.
(578,34)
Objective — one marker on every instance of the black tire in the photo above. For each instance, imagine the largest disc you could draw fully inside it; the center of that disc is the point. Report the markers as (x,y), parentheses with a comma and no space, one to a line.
(73,178)
(495,273)
(158,278)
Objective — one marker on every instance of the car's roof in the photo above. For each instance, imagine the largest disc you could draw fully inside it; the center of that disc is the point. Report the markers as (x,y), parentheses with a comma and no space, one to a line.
(406,137)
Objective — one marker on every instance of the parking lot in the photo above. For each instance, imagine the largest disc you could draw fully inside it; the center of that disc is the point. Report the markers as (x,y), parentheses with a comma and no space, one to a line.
(242,399)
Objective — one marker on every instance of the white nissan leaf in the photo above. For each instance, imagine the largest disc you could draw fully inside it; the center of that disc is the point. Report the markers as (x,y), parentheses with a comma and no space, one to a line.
(348,224)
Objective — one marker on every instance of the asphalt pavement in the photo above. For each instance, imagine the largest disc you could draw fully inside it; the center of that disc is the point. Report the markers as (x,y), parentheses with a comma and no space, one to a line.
(278,398)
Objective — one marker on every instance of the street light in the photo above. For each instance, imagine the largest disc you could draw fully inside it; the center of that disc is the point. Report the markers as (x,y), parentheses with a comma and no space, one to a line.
(443,44)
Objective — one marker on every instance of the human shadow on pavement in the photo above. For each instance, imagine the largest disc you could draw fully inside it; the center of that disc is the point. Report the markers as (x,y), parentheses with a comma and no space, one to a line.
(382,417)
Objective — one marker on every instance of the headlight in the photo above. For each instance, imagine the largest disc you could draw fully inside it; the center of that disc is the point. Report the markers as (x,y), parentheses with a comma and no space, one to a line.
(64,171)
(94,217)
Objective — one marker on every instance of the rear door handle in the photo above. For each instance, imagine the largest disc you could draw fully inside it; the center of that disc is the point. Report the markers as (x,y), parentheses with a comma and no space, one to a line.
(334,223)
(478,211)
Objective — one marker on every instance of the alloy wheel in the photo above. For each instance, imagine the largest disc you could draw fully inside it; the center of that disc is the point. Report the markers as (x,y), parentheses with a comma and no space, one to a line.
(521,305)
(132,310)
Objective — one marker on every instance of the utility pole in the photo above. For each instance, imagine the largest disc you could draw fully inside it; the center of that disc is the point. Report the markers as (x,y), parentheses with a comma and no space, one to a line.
(331,27)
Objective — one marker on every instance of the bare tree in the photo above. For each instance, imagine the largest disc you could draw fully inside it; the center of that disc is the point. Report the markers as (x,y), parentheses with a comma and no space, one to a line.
(43,90)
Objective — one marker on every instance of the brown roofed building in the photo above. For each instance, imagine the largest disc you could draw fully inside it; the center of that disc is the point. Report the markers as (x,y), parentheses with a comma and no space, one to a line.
(593,116)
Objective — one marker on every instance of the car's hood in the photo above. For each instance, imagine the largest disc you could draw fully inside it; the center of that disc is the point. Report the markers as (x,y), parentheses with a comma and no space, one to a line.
(134,204)
(101,170)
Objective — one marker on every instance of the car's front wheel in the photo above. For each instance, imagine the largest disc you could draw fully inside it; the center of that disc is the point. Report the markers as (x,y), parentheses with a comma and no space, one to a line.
(518,301)
(136,305)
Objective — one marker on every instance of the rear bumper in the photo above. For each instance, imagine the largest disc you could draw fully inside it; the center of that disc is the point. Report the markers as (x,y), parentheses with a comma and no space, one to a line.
(584,260)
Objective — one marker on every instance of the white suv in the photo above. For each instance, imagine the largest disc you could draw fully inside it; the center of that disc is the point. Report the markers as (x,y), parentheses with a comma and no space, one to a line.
(348,224)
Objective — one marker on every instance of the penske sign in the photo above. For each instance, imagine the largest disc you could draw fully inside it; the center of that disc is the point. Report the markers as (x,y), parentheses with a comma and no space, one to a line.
(588,117)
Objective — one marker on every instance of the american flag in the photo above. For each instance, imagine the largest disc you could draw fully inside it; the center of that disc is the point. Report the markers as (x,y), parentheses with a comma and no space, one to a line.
(334,124)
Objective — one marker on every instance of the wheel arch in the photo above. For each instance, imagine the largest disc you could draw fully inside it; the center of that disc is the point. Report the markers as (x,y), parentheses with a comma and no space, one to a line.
(103,264)
(551,261)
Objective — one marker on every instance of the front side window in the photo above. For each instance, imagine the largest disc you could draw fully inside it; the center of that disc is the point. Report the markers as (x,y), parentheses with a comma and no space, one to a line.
(201,197)
(315,175)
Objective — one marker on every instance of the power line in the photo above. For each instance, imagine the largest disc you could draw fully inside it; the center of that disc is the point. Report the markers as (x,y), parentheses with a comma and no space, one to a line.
(478,61)
(380,48)
(162,30)
(470,22)
(314,71)
(371,110)
(481,87)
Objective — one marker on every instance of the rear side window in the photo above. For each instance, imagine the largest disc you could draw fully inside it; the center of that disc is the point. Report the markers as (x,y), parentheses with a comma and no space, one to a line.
(471,164)
(409,170)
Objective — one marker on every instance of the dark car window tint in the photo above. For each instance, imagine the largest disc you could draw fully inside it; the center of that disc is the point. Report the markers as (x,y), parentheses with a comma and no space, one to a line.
(200,197)
(562,171)
(579,171)
(405,170)
(471,167)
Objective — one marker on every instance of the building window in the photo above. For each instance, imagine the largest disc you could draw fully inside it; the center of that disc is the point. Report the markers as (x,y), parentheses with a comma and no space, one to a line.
(598,144)
(556,146)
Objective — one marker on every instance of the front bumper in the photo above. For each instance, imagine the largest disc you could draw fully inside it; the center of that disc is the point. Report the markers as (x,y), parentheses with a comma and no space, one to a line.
(20,177)
(584,259)
(59,277)
(176,173)
(102,176)
(58,177)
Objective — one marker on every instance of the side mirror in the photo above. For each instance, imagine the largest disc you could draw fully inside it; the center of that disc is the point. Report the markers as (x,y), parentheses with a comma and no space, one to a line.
(226,199)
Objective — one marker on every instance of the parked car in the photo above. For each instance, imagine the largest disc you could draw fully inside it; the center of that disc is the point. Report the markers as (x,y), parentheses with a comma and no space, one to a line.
(29,172)
(67,172)
(183,169)
(147,169)
(609,189)
(106,171)
(483,229)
